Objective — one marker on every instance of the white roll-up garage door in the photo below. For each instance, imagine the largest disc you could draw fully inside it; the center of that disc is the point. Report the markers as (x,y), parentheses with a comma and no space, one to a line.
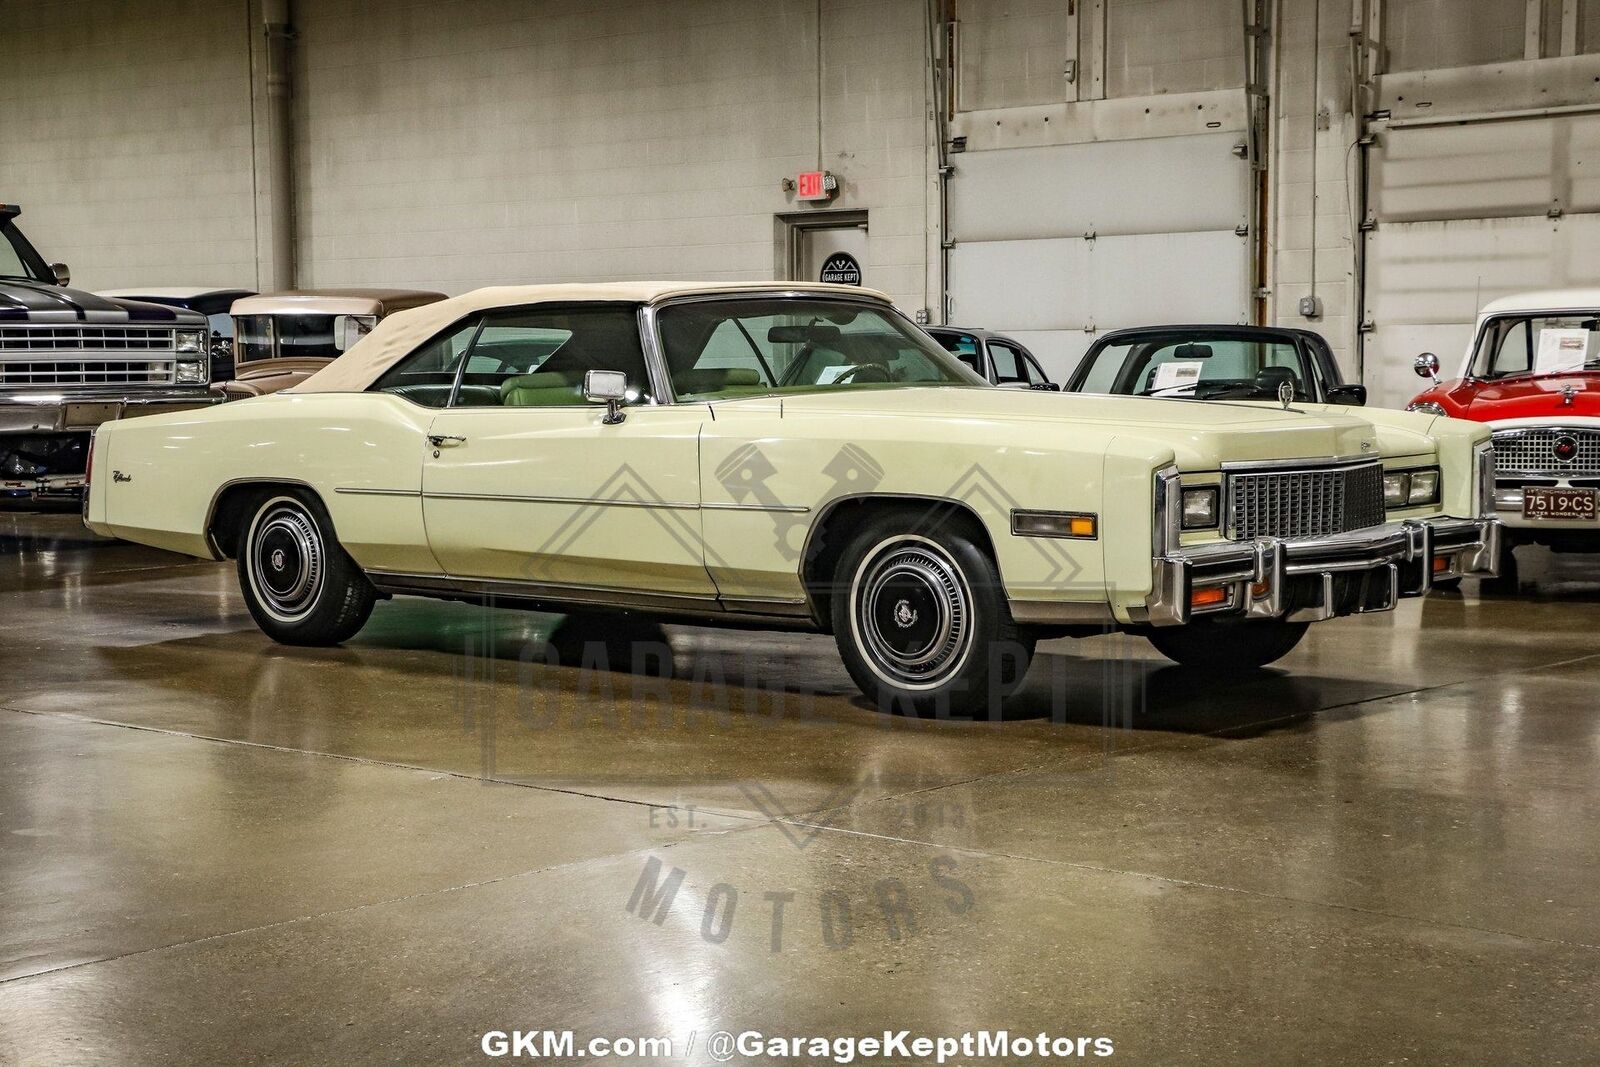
(1464,214)
(1056,244)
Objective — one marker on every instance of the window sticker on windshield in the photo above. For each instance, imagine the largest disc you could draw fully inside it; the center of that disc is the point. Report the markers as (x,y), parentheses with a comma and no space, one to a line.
(830,375)
(1561,349)
(1177,373)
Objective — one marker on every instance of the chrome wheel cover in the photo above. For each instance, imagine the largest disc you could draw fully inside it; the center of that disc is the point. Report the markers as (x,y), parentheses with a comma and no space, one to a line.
(286,560)
(911,613)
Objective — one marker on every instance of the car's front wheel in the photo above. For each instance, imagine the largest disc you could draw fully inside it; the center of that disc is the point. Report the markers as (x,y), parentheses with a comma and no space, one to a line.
(921,618)
(1228,646)
(300,585)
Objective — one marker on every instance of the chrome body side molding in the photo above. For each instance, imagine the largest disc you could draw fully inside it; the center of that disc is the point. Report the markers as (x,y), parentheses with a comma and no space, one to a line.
(558,598)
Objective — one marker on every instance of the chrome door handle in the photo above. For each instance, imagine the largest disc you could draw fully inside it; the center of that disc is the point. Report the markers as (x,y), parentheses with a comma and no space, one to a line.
(444,440)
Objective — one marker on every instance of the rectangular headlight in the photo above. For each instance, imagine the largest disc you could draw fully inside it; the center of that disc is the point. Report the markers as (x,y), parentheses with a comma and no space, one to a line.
(1200,508)
(189,341)
(1396,489)
(190,373)
(1424,487)
(1411,489)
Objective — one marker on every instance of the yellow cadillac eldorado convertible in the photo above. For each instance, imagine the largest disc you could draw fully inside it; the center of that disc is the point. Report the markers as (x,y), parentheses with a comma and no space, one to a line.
(786,455)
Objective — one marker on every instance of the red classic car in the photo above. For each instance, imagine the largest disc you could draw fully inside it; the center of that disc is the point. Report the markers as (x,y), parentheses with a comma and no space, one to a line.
(1532,373)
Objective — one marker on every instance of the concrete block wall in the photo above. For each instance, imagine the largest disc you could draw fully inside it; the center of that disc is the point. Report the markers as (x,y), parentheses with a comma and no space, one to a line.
(475,142)
(1173,46)
(1427,34)
(1013,53)
(125,136)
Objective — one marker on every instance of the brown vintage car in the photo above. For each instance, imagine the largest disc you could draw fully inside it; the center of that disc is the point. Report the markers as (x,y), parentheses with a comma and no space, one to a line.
(281,339)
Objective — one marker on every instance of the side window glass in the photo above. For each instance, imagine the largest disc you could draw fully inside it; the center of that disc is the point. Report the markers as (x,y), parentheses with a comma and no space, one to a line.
(1007,363)
(1030,367)
(539,357)
(428,374)
(964,347)
(1516,349)
(733,354)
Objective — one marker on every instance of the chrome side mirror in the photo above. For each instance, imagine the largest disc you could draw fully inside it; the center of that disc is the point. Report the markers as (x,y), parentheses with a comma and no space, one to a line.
(1427,366)
(608,387)
(63,275)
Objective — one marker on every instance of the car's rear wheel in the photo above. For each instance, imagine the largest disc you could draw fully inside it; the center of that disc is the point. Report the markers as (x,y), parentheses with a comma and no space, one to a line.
(921,618)
(1228,646)
(300,585)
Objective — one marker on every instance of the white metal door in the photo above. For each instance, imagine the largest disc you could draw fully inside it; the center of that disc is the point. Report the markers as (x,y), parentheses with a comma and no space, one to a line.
(818,246)
(1055,244)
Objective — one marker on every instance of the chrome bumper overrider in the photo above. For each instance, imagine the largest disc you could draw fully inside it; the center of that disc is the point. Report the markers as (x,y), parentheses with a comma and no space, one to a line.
(1314,579)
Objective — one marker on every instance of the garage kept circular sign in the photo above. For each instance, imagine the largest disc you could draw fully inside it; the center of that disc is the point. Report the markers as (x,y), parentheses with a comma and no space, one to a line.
(841,268)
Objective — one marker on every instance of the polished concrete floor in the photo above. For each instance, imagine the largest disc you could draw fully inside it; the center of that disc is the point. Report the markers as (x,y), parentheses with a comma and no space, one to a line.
(218,850)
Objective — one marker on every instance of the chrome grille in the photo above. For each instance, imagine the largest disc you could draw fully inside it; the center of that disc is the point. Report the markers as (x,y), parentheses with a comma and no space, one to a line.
(1304,501)
(86,355)
(85,372)
(84,338)
(1533,451)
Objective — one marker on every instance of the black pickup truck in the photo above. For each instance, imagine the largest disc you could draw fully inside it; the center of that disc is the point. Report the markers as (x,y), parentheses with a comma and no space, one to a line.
(70,360)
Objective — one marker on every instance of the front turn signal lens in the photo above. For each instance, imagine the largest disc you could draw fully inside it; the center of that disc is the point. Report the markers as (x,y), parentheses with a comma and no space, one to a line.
(1078,524)
(1440,563)
(1207,598)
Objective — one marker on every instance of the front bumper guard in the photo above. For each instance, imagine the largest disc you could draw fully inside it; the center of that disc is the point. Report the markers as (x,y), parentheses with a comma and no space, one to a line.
(1318,578)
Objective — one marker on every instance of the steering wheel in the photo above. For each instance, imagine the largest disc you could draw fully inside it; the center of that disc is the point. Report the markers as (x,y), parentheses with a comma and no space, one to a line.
(866,372)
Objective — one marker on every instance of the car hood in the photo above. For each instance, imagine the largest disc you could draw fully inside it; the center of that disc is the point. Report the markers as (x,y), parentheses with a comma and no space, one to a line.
(1531,396)
(1202,434)
(27,301)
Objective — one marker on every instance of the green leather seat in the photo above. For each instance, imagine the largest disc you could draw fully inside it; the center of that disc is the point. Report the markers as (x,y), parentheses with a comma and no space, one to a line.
(716,380)
(542,389)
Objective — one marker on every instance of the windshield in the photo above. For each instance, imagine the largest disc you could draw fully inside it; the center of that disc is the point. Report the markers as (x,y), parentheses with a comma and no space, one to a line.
(752,347)
(17,257)
(286,336)
(1199,366)
(1537,344)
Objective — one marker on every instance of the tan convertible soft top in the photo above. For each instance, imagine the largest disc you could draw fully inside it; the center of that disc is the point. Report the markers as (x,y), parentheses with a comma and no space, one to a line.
(401,332)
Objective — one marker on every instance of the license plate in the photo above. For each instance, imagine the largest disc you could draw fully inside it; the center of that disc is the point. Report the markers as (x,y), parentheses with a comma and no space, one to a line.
(88,415)
(1544,503)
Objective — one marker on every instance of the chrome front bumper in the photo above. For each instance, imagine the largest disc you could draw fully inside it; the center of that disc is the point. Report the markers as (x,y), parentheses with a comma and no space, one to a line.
(69,412)
(80,412)
(1314,579)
